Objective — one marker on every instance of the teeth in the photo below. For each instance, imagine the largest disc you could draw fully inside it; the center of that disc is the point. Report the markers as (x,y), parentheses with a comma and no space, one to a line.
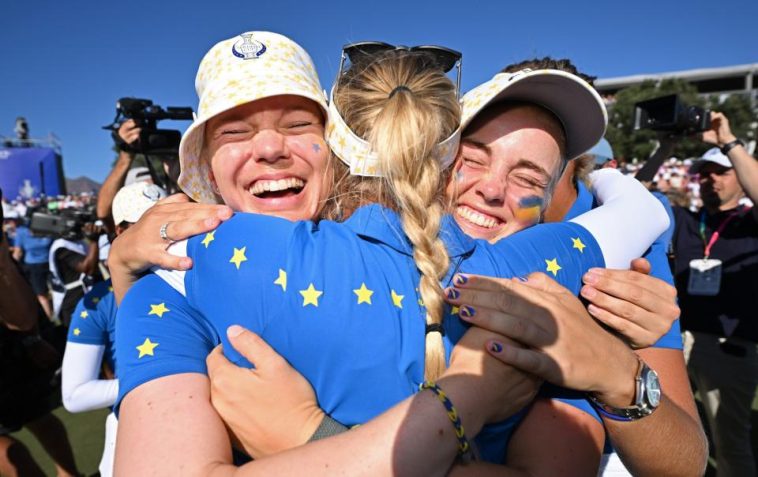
(476,218)
(262,186)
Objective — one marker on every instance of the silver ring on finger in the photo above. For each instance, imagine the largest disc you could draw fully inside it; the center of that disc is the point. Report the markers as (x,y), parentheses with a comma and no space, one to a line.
(164,233)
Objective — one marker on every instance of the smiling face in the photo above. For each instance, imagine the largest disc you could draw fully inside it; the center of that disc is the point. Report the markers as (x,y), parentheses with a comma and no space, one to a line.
(269,157)
(508,160)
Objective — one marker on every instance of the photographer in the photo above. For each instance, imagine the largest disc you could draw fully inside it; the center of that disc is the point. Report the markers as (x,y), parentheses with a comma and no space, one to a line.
(126,137)
(716,274)
(74,267)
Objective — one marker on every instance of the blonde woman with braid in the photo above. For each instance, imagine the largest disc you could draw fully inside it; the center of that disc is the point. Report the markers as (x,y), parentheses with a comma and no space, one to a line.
(339,300)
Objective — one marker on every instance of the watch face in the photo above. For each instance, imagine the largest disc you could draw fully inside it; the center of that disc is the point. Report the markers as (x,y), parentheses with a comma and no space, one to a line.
(653,388)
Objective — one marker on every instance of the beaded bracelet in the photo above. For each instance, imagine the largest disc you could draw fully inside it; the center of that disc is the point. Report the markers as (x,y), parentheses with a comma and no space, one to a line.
(464,447)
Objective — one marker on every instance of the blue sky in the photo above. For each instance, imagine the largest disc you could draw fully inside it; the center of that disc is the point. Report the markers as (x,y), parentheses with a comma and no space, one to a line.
(64,64)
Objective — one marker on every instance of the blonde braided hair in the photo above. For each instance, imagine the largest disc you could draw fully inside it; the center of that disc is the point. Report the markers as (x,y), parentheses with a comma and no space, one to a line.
(404,109)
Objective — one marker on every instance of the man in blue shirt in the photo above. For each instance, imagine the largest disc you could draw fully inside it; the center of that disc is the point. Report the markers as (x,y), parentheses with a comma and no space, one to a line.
(35,254)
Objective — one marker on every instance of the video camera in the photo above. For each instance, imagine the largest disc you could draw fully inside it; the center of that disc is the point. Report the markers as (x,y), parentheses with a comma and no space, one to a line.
(146,114)
(68,224)
(670,114)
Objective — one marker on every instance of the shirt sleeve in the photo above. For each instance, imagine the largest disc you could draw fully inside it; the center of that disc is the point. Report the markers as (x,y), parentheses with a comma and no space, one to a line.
(87,323)
(158,334)
(562,250)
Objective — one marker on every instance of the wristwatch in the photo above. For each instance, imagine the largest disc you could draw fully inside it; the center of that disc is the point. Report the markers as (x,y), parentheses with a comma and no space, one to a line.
(646,400)
(731,145)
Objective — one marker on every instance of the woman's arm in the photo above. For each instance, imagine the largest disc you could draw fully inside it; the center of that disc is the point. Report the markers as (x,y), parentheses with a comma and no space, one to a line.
(629,220)
(170,424)
(81,388)
(552,322)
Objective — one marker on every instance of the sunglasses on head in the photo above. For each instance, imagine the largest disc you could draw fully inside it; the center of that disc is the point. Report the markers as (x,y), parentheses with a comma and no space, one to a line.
(440,57)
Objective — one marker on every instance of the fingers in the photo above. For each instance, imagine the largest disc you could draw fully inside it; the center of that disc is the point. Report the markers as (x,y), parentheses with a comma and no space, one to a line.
(180,230)
(641,265)
(637,336)
(635,287)
(522,328)
(216,362)
(527,360)
(254,348)
(174,199)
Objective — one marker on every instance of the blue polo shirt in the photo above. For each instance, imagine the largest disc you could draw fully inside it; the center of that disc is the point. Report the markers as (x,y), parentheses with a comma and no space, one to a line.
(35,248)
(339,301)
(94,321)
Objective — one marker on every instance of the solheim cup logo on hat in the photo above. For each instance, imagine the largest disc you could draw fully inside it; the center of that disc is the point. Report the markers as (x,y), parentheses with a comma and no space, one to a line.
(247,48)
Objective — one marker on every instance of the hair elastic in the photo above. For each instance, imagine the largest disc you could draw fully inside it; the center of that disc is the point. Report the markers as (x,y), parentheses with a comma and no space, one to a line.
(400,88)
(432,327)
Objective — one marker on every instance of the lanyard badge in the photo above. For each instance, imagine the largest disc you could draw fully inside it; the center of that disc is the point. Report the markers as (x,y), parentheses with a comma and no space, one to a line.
(705,273)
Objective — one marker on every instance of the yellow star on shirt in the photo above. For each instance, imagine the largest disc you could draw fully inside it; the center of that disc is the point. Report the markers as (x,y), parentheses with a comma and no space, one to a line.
(77,331)
(364,294)
(84,314)
(158,309)
(552,266)
(282,280)
(209,237)
(397,299)
(578,244)
(110,289)
(96,300)
(454,310)
(146,348)
(311,295)
(238,257)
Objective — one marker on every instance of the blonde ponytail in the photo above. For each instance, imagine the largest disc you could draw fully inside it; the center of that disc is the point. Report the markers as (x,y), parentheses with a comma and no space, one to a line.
(404,109)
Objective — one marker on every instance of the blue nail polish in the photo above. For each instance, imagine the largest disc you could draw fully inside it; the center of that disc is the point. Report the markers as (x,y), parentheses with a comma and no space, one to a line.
(496,347)
(461,279)
(523,279)
(453,293)
(467,311)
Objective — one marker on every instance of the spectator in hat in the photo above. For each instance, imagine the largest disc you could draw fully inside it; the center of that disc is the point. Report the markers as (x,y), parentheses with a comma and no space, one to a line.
(716,272)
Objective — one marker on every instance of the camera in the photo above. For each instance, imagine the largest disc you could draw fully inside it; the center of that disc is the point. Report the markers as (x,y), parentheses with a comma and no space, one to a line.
(69,224)
(670,114)
(146,114)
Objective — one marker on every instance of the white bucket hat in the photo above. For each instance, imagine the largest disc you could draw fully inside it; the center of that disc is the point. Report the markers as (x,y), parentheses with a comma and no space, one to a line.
(248,67)
(573,101)
(131,201)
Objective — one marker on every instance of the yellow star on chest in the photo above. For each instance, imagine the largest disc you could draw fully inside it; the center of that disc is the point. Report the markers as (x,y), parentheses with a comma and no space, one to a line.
(578,244)
(552,266)
(110,289)
(77,331)
(96,300)
(282,280)
(209,237)
(397,300)
(146,348)
(83,315)
(238,257)
(311,295)
(364,294)
(158,309)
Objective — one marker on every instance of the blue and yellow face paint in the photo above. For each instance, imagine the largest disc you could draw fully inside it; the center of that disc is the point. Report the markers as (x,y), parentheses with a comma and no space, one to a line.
(529,209)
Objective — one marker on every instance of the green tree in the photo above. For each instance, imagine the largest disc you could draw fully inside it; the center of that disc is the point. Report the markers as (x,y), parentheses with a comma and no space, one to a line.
(742,118)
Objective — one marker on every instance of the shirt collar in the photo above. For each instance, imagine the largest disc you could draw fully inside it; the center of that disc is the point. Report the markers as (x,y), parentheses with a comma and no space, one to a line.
(584,202)
(376,223)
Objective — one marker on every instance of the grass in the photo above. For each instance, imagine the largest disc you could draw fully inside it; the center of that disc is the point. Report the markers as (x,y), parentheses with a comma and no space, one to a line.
(86,432)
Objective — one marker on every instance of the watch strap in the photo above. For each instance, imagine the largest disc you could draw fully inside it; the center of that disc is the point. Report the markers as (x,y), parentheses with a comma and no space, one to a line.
(641,408)
(731,145)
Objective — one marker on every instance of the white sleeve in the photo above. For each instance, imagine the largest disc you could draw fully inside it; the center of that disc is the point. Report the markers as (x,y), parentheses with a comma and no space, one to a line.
(81,387)
(175,278)
(628,221)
